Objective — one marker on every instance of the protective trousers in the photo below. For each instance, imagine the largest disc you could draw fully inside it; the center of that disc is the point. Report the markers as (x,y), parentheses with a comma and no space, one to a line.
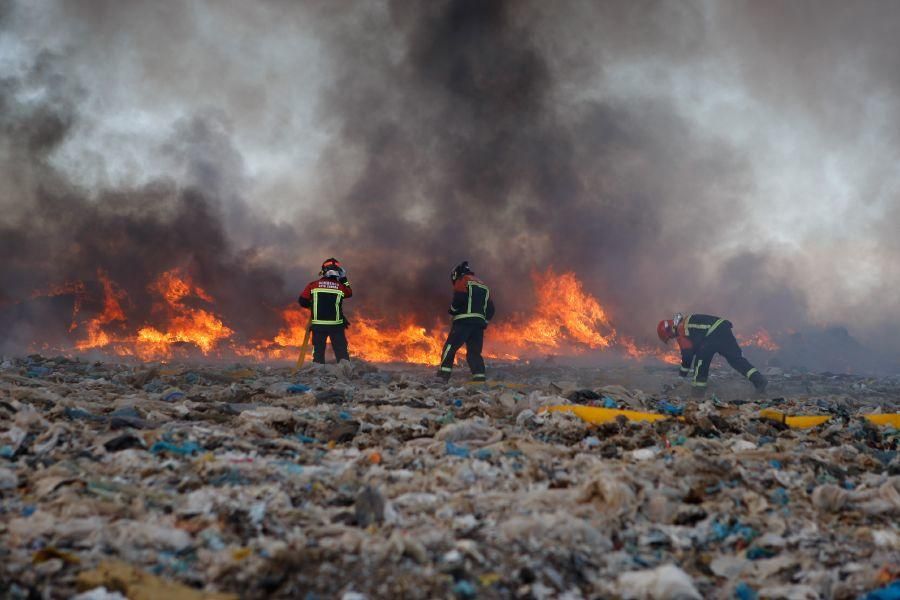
(321,334)
(472,335)
(721,341)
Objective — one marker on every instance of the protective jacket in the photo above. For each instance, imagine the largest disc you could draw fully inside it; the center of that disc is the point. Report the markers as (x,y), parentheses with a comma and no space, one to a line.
(471,308)
(471,302)
(324,298)
(700,337)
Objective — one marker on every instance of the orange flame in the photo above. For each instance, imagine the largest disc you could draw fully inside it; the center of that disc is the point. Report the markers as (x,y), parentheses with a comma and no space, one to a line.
(566,320)
(404,343)
(112,312)
(761,339)
(565,313)
(185,324)
(664,354)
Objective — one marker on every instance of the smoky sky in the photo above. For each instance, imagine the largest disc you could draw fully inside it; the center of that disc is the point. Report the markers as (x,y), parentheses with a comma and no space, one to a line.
(737,158)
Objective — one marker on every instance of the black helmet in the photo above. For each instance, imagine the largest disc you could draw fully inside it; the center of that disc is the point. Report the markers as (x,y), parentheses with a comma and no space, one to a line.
(460,270)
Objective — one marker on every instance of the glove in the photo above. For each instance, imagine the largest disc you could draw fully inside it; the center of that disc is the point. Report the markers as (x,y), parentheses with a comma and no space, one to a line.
(343,280)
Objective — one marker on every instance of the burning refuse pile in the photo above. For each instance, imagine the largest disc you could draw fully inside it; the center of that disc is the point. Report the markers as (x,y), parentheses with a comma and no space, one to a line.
(183,321)
(190,461)
(202,480)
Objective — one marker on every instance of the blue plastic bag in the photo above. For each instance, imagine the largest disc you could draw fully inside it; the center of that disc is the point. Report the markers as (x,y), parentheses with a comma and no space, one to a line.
(891,592)
(454,450)
(183,450)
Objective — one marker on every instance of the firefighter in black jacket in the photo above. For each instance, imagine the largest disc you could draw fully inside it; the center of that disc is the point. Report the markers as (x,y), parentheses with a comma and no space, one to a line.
(472,309)
(701,337)
(324,298)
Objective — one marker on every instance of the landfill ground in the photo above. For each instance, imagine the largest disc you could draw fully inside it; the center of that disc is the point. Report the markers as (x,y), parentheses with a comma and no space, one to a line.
(249,481)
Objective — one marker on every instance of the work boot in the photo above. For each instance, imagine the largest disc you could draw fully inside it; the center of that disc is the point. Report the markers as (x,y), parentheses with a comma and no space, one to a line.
(698,391)
(443,376)
(759,381)
(480,378)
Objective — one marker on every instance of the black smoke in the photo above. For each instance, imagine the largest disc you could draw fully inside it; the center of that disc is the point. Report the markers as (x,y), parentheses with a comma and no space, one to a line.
(55,232)
(470,149)
(510,134)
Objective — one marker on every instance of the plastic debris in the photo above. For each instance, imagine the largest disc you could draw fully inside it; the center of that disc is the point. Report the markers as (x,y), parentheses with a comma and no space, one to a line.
(671,409)
(8,479)
(99,593)
(456,450)
(375,482)
(802,422)
(183,449)
(667,582)
(891,592)
(742,591)
(172,395)
(892,420)
(597,415)
(793,422)
(464,589)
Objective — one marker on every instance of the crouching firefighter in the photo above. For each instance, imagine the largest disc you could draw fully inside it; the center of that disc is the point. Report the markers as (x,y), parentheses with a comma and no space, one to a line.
(324,297)
(472,309)
(701,337)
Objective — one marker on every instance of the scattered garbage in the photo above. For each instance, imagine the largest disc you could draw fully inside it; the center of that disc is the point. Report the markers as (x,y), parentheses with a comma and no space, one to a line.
(218,481)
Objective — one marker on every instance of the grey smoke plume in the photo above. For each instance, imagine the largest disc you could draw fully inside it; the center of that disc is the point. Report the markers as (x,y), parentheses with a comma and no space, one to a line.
(736,159)
(53,232)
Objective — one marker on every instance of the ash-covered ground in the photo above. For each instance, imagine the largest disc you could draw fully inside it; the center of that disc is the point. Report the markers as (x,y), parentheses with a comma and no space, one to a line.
(377,482)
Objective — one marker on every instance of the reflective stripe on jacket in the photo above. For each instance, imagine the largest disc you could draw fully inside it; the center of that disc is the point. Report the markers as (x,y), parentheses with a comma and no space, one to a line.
(324,298)
(471,300)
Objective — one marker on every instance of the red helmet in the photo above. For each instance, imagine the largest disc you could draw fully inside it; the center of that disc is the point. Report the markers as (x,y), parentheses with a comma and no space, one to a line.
(332,264)
(666,331)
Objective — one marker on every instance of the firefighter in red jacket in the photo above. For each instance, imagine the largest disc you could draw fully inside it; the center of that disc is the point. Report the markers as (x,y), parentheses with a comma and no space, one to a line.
(701,337)
(472,309)
(325,297)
